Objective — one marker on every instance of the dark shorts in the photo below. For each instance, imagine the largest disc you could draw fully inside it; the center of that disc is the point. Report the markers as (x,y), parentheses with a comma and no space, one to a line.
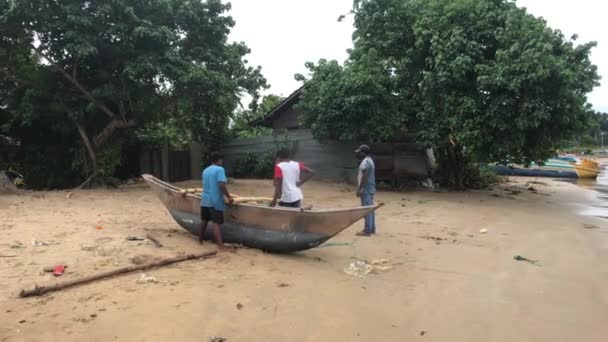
(295,204)
(210,214)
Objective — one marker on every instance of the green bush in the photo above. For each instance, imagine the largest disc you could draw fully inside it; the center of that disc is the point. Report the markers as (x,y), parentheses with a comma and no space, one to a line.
(255,166)
(473,175)
(260,165)
(487,177)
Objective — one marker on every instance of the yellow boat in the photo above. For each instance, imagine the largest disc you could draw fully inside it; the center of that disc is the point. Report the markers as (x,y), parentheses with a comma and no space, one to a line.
(587,168)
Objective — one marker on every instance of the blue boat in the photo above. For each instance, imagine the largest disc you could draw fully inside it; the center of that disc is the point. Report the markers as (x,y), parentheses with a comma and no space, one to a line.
(515,171)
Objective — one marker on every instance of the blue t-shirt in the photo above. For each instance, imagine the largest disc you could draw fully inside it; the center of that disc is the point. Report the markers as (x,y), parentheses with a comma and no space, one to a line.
(212,196)
(369,167)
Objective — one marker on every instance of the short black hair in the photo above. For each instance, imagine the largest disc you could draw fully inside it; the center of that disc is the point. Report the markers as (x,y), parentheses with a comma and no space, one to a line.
(215,157)
(283,153)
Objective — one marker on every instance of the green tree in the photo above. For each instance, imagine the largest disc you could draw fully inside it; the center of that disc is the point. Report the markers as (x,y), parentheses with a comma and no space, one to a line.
(478,80)
(602,119)
(97,70)
(241,119)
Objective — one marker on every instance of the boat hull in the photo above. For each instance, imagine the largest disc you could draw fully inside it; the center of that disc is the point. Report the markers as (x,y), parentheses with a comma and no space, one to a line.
(562,167)
(279,230)
(514,171)
(255,237)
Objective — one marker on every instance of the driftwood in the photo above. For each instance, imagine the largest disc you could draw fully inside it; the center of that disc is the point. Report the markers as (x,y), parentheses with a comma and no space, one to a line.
(40,290)
(155,240)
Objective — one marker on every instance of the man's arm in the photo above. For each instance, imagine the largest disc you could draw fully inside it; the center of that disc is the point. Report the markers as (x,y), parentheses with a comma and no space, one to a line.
(364,175)
(224,189)
(278,185)
(305,174)
(278,190)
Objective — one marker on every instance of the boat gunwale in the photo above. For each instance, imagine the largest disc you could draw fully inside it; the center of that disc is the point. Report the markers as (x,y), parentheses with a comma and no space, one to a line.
(176,191)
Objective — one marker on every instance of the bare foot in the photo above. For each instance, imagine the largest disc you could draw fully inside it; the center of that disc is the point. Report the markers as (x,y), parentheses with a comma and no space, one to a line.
(363,234)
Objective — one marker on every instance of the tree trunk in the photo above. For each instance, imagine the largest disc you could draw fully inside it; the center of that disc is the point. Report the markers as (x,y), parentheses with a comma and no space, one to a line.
(89,147)
(452,164)
(456,165)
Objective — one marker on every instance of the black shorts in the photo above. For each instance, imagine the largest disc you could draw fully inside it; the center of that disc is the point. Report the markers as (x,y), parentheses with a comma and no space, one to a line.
(295,204)
(210,214)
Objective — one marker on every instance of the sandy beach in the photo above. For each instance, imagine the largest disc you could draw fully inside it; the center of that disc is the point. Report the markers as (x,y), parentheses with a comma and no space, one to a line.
(445,281)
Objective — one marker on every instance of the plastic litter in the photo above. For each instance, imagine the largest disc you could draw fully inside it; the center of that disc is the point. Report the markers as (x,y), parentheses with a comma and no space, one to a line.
(146,279)
(358,269)
(332,244)
(361,268)
(58,270)
(380,261)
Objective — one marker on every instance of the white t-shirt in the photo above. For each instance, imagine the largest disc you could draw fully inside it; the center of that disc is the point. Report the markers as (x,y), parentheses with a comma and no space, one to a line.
(289,171)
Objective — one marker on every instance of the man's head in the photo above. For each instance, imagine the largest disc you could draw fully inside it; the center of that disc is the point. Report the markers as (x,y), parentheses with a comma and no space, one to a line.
(217,158)
(282,154)
(362,151)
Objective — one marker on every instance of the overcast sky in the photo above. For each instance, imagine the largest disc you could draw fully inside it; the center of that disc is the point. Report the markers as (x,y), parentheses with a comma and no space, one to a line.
(284,34)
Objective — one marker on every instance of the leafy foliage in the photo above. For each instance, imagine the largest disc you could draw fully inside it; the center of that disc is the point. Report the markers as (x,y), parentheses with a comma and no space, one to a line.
(589,138)
(255,166)
(99,68)
(260,165)
(241,128)
(158,132)
(479,80)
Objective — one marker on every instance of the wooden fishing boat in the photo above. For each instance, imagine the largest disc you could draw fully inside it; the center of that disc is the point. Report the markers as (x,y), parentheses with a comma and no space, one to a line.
(279,230)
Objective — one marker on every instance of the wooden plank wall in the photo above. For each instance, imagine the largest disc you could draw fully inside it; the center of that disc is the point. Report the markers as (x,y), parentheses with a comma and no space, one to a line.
(335,161)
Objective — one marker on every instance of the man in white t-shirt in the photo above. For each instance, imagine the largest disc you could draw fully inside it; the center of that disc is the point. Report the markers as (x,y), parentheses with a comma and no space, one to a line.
(288,176)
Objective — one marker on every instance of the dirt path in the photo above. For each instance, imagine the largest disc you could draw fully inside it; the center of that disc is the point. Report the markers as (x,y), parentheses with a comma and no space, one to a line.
(448,282)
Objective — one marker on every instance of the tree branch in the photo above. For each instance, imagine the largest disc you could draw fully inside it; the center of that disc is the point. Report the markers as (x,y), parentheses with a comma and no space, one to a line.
(87,94)
(105,134)
(17,81)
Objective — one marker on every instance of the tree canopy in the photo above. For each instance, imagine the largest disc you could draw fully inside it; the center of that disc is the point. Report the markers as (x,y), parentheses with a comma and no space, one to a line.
(478,80)
(84,76)
(242,118)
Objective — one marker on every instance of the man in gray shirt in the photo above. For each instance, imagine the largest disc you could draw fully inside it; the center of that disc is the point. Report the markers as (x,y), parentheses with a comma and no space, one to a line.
(366,187)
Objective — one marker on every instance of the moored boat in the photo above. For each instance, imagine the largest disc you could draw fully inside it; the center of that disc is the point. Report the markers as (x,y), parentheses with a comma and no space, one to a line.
(560,167)
(584,168)
(532,172)
(280,230)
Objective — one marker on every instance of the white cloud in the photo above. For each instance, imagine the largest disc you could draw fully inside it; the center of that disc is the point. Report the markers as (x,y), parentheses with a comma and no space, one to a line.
(284,34)
(585,18)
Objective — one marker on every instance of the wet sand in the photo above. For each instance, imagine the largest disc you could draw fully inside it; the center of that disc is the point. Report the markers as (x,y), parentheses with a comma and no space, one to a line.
(447,282)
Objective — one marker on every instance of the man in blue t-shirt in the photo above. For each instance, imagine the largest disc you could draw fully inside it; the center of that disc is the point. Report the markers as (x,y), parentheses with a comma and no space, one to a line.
(366,187)
(212,198)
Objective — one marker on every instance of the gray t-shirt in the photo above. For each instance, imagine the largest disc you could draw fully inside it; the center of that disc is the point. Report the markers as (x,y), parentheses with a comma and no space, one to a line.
(368,165)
